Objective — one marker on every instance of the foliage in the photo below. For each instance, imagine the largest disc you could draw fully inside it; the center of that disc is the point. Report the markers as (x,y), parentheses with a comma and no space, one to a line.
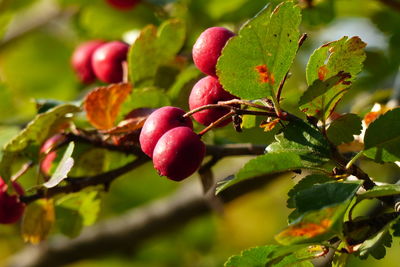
(314,108)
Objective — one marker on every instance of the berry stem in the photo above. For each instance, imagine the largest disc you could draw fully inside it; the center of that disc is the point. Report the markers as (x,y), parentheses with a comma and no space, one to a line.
(193,111)
(217,122)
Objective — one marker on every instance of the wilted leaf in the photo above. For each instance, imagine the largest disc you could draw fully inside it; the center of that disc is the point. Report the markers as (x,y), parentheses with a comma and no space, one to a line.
(102,104)
(382,138)
(63,167)
(253,64)
(38,220)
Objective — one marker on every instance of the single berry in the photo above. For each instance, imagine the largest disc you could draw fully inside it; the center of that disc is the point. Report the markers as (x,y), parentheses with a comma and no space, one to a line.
(81,60)
(159,122)
(208,47)
(49,155)
(11,208)
(178,153)
(206,91)
(107,61)
(123,4)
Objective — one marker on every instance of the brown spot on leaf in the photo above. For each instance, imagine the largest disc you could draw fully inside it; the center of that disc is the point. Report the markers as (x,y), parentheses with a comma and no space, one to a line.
(265,75)
(308,230)
(269,125)
(322,71)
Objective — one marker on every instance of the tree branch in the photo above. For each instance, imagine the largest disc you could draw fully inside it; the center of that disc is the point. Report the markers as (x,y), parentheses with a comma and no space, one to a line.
(129,231)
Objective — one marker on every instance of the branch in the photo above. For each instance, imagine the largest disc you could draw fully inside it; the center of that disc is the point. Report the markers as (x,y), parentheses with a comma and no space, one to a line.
(128,232)
(78,183)
(391,3)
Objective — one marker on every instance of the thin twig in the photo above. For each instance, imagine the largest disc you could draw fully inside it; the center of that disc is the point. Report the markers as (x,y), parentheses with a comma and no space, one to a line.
(217,122)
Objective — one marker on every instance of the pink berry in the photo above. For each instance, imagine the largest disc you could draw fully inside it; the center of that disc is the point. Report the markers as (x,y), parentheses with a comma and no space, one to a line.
(208,47)
(178,153)
(11,208)
(206,91)
(123,4)
(81,60)
(107,61)
(159,122)
(49,156)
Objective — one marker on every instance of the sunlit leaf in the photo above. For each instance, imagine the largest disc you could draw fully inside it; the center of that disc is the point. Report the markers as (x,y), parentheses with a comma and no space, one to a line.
(63,167)
(342,56)
(102,104)
(253,64)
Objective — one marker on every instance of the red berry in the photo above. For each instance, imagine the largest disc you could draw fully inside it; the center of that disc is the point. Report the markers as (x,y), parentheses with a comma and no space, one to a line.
(107,61)
(208,47)
(178,153)
(123,4)
(159,122)
(50,156)
(11,208)
(82,60)
(206,91)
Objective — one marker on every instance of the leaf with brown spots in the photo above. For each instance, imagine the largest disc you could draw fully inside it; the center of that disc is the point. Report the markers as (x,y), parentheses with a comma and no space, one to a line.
(254,62)
(344,56)
(102,104)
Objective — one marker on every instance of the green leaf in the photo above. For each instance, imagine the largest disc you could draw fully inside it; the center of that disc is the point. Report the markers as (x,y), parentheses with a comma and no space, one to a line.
(63,167)
(342,129)
(305,141)
(341,56)
(262,165)
(320,211)
(305,183)
(85,203)
(184,80)
(376,245)
(68,221)
(382,138)
(251,257)
(39,129)
(35,133)
(273,255)
(380,191)
(150,97)
(253,64)
(154,48)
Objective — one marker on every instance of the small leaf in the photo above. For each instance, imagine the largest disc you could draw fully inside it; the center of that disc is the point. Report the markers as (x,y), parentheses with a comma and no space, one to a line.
(154,48)
(376,245)
(262,165)
(68,221)
(102,105)
(382,138)
(63,167)
(149,97)
(380,191)
(342,129)
(38,220)
(341,56)
(253,64)
(251,257)
(305,183)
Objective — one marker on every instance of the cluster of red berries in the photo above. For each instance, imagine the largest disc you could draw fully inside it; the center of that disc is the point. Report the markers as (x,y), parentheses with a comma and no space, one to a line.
(167,136)
(123,4)
(100,59)
(11,207)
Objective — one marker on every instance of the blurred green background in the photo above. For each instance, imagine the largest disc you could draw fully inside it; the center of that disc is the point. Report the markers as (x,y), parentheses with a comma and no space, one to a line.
(37,38)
